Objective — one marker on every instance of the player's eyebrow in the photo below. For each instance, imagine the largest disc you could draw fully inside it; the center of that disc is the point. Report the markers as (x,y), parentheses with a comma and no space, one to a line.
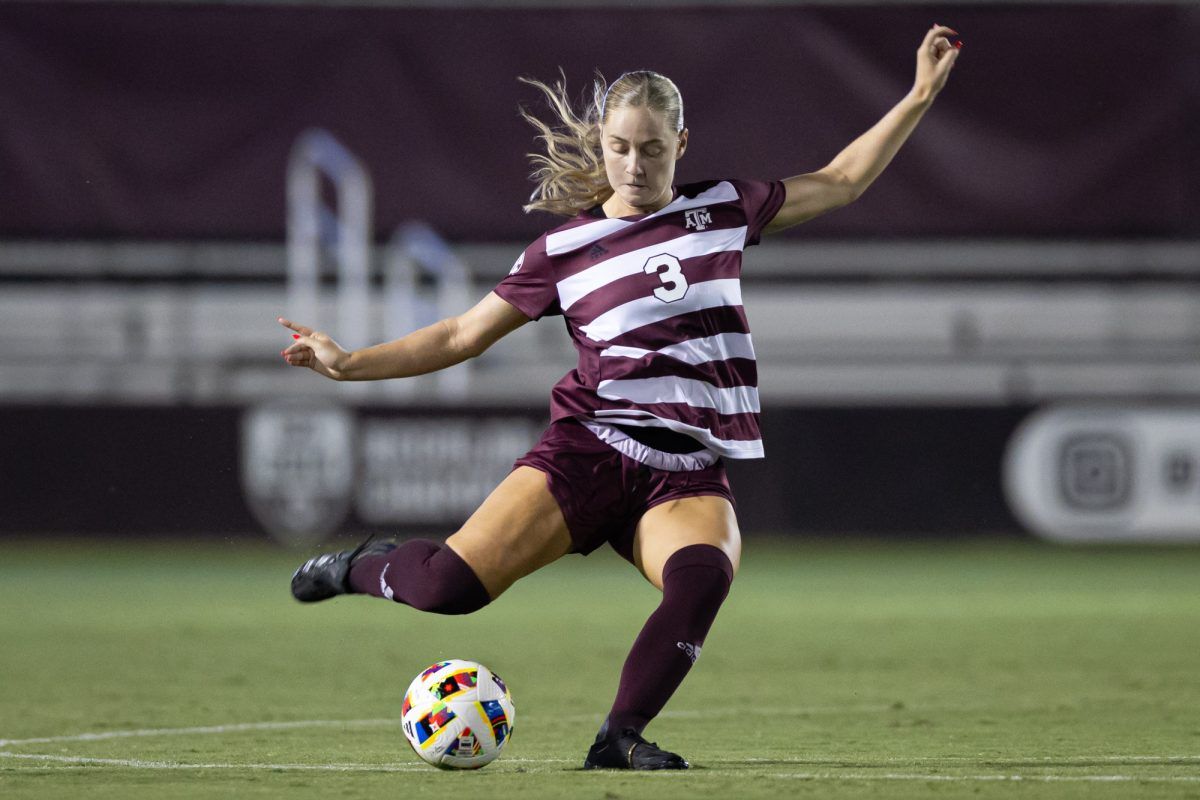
(626,141)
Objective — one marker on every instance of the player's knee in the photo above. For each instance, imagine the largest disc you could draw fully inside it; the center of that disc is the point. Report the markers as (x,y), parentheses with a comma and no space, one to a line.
(449,586)
(703,571)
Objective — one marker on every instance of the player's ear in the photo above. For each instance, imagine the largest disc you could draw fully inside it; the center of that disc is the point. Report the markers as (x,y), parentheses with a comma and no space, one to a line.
(683,137)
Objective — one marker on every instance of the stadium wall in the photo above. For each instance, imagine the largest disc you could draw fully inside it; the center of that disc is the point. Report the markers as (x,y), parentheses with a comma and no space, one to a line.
(149,121)
(187,471)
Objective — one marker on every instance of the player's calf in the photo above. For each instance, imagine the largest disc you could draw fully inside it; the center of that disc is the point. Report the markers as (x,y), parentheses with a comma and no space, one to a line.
(696,580)
(423,574)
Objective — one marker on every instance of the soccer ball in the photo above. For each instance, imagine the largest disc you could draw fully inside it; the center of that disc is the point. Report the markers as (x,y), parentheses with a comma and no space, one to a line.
(457,715)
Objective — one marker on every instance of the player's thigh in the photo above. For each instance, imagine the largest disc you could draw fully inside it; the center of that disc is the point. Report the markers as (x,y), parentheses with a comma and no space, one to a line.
(518,529)
(676,524)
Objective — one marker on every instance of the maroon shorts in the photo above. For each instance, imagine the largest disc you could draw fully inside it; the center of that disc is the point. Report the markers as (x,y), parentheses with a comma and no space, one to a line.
(603,493)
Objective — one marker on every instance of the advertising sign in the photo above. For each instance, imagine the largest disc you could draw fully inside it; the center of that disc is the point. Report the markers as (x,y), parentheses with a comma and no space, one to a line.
(306,468)
(1098,474)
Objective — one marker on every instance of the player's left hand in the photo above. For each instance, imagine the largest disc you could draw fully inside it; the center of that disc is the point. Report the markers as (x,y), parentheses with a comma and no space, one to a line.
(935,59)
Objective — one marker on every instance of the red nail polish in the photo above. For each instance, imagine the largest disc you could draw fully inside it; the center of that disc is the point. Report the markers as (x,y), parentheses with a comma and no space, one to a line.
(295,336)
(958,45)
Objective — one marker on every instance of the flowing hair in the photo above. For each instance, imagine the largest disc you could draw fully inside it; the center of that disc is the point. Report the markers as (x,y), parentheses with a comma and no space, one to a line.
(570,174)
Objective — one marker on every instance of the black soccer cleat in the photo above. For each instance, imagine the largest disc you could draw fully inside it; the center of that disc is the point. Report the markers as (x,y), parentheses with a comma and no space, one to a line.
(328,575)
(628,750)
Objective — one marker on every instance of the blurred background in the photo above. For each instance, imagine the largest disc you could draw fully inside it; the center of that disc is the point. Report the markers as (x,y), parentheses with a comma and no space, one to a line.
(1000,338)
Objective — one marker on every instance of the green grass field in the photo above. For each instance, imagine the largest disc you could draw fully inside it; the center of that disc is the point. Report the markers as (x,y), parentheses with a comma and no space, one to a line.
(836,670)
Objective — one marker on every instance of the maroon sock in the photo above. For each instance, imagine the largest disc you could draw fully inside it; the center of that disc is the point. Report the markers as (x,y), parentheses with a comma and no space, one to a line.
(426,575)
(695,581)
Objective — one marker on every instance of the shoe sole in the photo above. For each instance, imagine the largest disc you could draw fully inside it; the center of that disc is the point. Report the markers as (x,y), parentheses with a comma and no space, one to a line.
(685,765)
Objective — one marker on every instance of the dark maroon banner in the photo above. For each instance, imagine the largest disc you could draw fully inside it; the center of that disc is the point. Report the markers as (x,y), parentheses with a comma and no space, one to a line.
(165,121)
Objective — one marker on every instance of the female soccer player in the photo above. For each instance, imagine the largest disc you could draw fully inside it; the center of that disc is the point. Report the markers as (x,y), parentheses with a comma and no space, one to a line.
(646,274)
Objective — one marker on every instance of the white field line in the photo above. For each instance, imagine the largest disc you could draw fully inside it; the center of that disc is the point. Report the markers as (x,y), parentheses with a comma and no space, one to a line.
(232,728)
(76,761)
(855,761)
(901,776)
(364,723)
(983,760)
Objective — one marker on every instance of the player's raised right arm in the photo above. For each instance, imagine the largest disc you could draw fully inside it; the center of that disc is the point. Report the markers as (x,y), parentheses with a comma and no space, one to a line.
(440,345)
(844,179)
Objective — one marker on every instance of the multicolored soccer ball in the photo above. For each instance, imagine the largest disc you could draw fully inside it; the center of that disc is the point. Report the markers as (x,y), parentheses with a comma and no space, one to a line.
(457,715)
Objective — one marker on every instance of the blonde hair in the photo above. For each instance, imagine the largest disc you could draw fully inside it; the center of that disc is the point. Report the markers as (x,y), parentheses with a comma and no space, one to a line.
(570,175)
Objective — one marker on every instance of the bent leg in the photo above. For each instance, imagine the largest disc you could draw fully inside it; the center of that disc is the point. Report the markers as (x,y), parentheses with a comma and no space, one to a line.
(517,530)
(688,548)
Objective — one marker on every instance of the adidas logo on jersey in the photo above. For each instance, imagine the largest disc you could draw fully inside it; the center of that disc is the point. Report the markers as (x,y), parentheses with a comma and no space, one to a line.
(692,651)
(596,251)
(699,219)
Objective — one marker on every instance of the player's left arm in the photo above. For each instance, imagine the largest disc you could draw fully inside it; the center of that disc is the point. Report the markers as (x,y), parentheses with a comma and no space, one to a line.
(443,344)
(845,178)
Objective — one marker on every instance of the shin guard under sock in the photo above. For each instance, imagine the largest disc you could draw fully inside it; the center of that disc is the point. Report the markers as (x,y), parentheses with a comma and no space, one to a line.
(426,575)
(696,580)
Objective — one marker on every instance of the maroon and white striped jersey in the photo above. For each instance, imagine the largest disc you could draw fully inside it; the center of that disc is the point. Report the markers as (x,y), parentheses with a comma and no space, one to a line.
(653,304)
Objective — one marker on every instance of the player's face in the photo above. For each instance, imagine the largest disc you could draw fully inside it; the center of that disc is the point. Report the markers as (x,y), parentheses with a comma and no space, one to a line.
(640,151)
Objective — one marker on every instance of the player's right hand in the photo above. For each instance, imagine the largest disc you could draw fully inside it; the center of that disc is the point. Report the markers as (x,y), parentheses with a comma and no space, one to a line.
(935,59)
(315,350)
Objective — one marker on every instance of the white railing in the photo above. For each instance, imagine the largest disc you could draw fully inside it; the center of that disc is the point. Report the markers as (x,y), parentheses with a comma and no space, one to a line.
(417,257)
(343,231)
(992,343)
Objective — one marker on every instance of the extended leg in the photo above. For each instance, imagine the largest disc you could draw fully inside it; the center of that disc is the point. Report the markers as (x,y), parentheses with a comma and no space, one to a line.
(517,530)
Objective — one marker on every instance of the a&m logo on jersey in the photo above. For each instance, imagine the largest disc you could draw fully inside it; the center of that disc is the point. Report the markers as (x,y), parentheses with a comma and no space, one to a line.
(699,219)
(517,266)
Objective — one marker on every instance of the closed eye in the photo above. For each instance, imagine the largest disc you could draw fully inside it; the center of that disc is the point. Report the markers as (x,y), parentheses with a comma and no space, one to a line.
(651,149)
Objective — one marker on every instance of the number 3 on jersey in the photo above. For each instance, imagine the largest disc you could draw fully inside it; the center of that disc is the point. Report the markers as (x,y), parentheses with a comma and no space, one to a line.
(670,272)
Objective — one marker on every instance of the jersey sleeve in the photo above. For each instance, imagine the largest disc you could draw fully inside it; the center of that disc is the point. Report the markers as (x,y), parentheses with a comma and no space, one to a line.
(530,286)
(761,201)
